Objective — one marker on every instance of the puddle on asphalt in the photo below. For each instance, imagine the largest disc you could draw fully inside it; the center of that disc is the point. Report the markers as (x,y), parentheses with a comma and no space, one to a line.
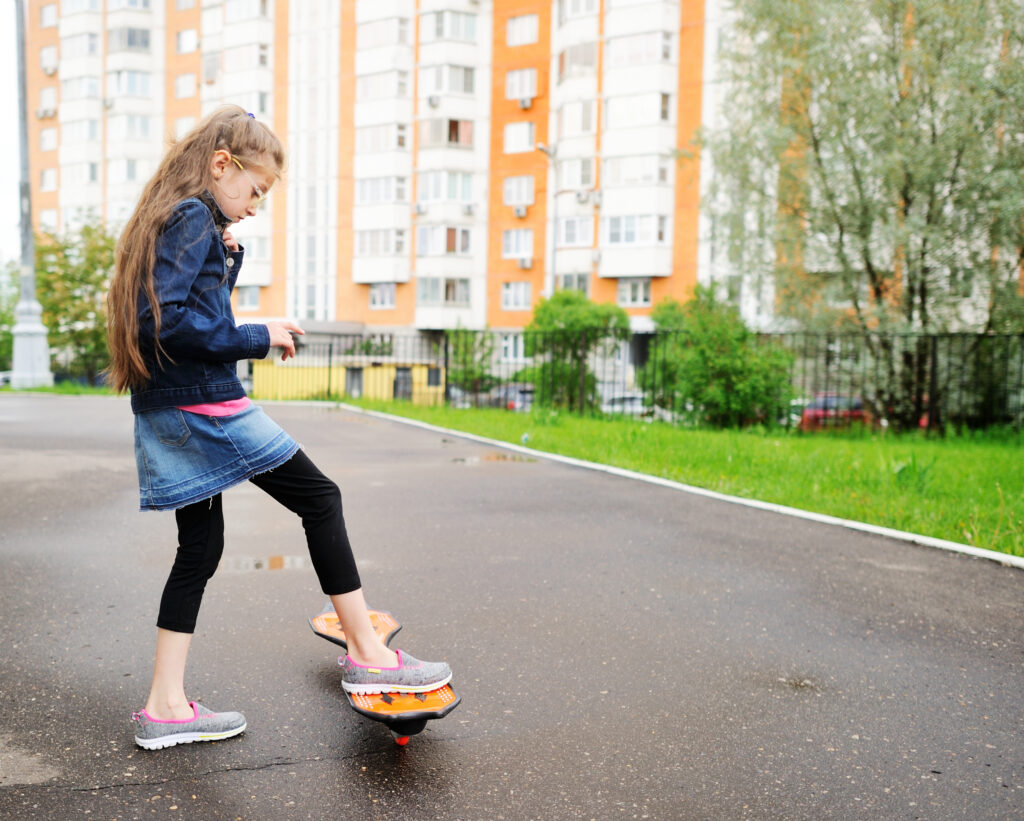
(247,564)
(493,456)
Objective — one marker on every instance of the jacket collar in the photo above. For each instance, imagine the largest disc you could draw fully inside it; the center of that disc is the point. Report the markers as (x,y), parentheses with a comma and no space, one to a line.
(220,219)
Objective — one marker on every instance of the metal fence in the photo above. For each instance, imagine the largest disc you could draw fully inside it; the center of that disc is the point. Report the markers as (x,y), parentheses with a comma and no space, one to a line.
(939,382)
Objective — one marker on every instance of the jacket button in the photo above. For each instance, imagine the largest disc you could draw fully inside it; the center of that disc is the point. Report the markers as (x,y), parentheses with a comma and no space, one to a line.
(230,263)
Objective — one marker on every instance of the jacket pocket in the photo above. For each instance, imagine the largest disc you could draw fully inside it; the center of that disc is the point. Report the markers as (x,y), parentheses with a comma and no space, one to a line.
(169,426)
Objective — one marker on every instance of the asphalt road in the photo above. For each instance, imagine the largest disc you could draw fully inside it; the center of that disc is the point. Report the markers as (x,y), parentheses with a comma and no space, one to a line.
(623,650)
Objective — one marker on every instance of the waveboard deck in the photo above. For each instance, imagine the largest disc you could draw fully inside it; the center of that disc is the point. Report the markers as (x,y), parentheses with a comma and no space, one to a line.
(326,625)
(405,714)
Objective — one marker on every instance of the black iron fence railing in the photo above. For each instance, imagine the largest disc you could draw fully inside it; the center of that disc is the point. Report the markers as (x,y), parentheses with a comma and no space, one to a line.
(933,381)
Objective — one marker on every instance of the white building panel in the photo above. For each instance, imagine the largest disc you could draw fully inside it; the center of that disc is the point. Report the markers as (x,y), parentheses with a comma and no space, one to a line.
(369,270)
(634,261)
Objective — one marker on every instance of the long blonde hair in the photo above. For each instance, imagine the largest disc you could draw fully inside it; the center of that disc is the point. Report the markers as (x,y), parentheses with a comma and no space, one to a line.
(184,172)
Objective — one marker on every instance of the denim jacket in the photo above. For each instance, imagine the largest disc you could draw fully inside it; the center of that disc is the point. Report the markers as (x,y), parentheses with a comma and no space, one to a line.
(194,275)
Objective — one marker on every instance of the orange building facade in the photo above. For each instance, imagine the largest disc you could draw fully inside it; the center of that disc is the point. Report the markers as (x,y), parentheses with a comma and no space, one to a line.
(451,162)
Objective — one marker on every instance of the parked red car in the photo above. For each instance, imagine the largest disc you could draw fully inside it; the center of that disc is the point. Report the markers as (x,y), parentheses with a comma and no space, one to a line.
(833,410)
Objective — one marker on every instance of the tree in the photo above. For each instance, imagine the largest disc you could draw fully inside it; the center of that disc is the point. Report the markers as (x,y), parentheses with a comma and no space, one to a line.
(870,165)
(705,359)
(9,291)
(72,276)
(469,360)
(567,328)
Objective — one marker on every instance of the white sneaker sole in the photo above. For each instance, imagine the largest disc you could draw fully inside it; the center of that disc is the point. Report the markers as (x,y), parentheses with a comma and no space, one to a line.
(171,740)
(370,689)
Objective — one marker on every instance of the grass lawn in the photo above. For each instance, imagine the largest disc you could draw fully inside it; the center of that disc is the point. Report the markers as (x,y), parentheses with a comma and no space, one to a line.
(965,489)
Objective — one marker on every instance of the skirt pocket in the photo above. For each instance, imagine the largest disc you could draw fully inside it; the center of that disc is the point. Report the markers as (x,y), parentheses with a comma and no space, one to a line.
(169,427)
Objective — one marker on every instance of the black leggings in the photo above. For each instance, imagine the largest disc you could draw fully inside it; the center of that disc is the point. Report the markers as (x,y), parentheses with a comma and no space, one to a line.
(300,487)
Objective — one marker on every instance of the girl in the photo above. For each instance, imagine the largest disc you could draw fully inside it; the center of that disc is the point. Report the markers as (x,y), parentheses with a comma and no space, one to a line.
(174,344)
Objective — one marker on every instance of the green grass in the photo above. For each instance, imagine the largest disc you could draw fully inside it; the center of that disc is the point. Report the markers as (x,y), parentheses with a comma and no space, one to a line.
(965,489)
(67,389)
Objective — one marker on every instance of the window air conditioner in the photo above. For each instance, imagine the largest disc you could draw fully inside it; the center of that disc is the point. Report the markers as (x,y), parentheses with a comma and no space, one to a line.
(49,71)
(526,263)
(519,211)
(525,102)
(433,101)
(468,209)
(582,196)
(421,208)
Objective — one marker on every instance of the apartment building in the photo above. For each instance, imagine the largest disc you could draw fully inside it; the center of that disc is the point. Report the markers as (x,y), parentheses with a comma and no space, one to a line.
(451,162)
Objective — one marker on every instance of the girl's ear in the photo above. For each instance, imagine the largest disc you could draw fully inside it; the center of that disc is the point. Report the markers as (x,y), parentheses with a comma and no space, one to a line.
(219,162)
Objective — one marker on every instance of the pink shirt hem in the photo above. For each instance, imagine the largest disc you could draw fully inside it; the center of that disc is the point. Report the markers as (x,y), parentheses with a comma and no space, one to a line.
(228,408)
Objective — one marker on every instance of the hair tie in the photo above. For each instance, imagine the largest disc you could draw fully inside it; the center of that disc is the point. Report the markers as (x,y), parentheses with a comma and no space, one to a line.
(252,115)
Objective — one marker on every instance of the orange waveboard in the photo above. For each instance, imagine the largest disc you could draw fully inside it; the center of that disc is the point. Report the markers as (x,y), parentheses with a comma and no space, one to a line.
(393,707)
(327,625)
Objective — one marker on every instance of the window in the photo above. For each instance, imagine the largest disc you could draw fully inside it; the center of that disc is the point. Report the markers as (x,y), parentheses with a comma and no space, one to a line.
(80,88)
(375,138)
(573,282)
(441,240)
(445,186)
(639,49)
(80,173)
(440,79)
(245,9)
(185,5)
(512,349)
(444,132)
(48,179)
(123,170)
(115,5)
(80,45)
(128,83)
(518,190)
(576,173)
(211,67)
(521,31)
(75,6)
(448,25)
(48,139)
(187,41)
(382,295)
(519,138)
(48,98)
(48,59)
(634,292)
(666,108)
(579,60)
(185,86)
(575,119)
(380,242)
(81,131)
(517,243)
(182,125)
(576,231)
(389,32)
(515,296)
(642,170)
(248,297)
(129,127)
(127,39)
(376,190)
(635,230)
(48,220)
(567,9)
(382,85)
(48,15)
(521,83)
(438,291)
(638,109)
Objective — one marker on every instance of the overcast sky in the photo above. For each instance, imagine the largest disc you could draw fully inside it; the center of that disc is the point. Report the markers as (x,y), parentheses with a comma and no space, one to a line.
(9,154)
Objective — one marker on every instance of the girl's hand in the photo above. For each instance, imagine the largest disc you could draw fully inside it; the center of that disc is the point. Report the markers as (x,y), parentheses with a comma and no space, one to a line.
(230,241)
(281,336)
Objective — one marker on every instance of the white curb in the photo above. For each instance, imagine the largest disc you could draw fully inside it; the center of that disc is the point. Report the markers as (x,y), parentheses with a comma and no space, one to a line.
(902,535)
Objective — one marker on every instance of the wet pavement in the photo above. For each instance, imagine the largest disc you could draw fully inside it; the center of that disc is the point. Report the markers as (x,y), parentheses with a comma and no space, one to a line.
(623,650)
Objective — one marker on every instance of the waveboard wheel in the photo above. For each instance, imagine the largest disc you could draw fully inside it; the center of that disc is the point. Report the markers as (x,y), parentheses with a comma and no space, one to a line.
(401,740)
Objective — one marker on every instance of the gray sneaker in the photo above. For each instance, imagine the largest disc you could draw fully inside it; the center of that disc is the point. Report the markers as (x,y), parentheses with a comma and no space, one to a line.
(206,725)
(410,676)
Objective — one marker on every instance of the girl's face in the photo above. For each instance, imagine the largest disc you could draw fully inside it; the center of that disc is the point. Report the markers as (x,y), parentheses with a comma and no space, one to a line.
(238,189)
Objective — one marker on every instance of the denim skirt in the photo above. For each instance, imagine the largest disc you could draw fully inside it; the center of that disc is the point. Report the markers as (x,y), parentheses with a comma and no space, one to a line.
(186,457)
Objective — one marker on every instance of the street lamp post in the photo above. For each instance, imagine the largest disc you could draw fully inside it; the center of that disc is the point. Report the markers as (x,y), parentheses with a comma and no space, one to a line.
(31,366)
(551,152)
